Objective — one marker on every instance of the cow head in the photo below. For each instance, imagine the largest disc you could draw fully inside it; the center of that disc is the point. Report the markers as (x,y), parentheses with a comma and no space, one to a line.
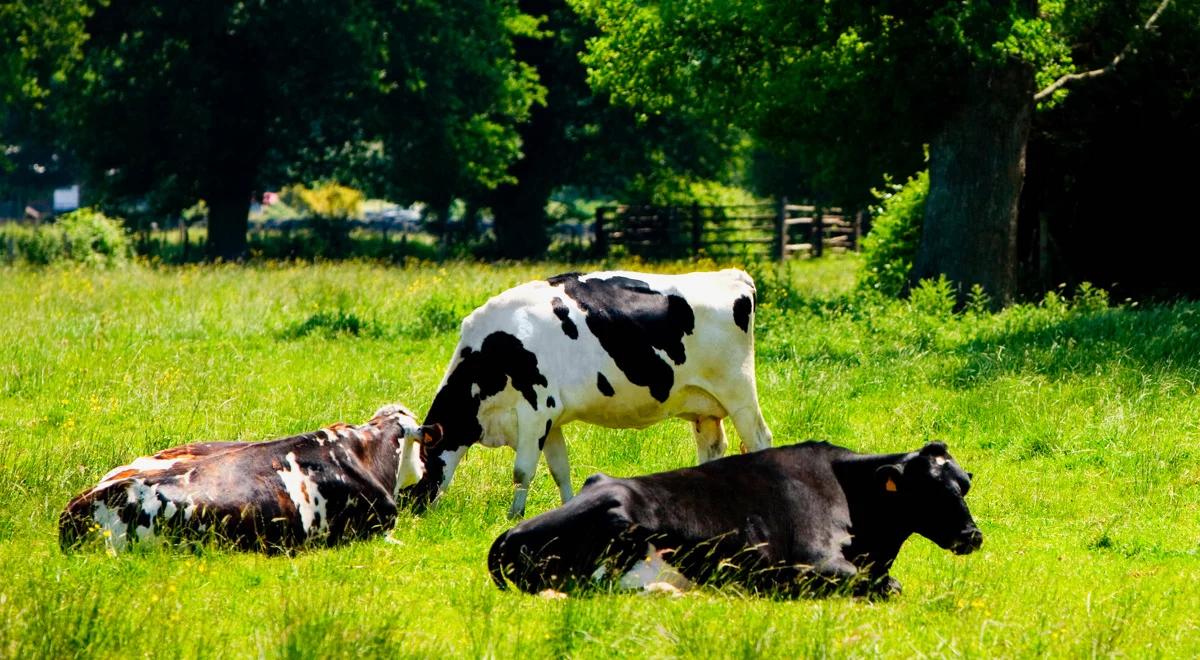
(929,488)
(410,469)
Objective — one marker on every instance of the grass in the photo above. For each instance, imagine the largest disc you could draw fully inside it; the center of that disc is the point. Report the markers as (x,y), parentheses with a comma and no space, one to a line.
(1081,423)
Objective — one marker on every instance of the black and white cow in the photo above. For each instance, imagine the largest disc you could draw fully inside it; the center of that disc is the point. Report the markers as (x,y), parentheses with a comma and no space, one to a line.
(803,519)
(317,488)
(618,349)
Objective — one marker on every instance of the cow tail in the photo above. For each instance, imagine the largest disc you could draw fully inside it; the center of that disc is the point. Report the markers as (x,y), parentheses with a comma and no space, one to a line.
(496,561)
(73,527)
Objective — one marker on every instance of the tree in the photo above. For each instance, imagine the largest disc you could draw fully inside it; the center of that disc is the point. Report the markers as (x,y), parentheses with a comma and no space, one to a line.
(858,88)
(211,100)
(42,40)
(187,101)
(1106,199)
(577,138)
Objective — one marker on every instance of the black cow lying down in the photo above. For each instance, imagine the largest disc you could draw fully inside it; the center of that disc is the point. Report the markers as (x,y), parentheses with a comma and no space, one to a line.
(318,488)
(811,518)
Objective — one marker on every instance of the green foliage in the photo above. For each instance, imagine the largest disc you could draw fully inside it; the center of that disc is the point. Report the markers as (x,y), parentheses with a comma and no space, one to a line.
(796,77)
(85,237)
(1078,422)
(891,246)
(934,298)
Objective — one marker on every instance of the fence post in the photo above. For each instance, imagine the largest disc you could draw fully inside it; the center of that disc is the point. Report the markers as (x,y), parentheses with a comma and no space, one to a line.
(183,235)
(818,237)
(858,223)
(781,230)
(601,242)
(697,228)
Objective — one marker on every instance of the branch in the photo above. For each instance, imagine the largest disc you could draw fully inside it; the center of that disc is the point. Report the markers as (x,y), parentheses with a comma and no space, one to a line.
(1096,73)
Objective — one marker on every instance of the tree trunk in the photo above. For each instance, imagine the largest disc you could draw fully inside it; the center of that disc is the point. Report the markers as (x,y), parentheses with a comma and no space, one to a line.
(520,219)
(228,213)
(976,169)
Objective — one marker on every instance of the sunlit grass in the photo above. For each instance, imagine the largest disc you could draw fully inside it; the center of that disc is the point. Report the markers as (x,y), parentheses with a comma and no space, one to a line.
(1081,425)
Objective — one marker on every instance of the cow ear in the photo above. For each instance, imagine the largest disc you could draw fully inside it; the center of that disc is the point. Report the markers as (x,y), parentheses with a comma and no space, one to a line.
(889,477)
(430,434)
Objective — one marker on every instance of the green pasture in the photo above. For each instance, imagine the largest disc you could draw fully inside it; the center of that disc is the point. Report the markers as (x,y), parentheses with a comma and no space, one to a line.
(1081,422)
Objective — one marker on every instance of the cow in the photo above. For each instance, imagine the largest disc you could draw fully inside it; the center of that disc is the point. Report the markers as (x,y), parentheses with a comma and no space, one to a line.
(618,349)
(805,519)
(319,488)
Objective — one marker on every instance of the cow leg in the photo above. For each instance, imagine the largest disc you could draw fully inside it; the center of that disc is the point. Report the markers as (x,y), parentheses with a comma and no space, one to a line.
(750,425)
(555,451)
(523,470)
(710,438)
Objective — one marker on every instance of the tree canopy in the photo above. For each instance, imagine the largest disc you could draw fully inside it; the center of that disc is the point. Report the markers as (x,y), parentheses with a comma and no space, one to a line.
(858,89)
(213,100)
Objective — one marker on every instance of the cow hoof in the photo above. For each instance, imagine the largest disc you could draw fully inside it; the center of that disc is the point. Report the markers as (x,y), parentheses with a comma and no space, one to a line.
(886,587)
(551,594)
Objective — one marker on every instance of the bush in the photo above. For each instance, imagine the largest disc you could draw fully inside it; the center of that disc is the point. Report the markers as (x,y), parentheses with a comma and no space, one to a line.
(93,238)
(85,236)
(326,200)
(891,246)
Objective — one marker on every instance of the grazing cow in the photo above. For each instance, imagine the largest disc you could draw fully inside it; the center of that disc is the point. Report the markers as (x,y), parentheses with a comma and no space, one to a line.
(618,349)
(805,519)
(317,488)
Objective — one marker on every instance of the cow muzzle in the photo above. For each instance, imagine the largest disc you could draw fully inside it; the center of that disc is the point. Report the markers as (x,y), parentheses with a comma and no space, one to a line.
(970,540)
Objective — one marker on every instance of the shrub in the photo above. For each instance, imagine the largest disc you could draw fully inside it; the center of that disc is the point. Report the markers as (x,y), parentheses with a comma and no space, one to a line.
(85,236)
(891,246)
(325,200)
(93,238)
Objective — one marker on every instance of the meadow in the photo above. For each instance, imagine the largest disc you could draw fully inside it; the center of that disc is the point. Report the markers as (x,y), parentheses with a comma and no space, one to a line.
(1080,419)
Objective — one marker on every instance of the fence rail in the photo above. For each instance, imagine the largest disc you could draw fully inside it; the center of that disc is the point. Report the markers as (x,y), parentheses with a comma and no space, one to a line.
(779,231)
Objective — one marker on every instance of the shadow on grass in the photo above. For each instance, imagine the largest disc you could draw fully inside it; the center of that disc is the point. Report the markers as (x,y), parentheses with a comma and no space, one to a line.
(1163,340)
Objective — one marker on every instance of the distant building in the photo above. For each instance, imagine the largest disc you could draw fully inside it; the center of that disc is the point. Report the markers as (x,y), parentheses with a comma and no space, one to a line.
(66,199)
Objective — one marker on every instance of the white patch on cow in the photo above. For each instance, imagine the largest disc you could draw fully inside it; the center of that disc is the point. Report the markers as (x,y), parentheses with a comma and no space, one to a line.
(190,509)
(653,571)
(310,504)
(409,469)
(940,460)
(475,390)
(451,458)
(140,464)
(170,510)
(112,528)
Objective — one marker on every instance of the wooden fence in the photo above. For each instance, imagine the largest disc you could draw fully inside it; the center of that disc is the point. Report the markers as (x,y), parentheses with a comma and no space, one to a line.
(779,231)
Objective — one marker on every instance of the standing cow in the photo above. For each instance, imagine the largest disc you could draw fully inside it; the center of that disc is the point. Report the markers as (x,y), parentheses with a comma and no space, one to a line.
(618,349)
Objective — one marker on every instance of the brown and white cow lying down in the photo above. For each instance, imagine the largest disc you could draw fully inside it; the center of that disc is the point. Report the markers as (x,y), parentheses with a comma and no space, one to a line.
(618,349)
(318,488)
(805,519)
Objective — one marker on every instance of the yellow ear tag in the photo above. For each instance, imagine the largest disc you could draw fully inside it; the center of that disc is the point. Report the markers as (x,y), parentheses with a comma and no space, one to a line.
(890,486)
(428,438)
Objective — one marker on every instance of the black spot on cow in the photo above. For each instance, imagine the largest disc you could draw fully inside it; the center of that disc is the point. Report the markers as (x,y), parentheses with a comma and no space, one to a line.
(500,359)
(603,385)
(542,440)
(564,315)
(631,320)
(741,312)
(549,402)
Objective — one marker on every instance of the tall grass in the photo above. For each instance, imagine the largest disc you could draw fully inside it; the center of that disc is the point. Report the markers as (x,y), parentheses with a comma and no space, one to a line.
(1080,421)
